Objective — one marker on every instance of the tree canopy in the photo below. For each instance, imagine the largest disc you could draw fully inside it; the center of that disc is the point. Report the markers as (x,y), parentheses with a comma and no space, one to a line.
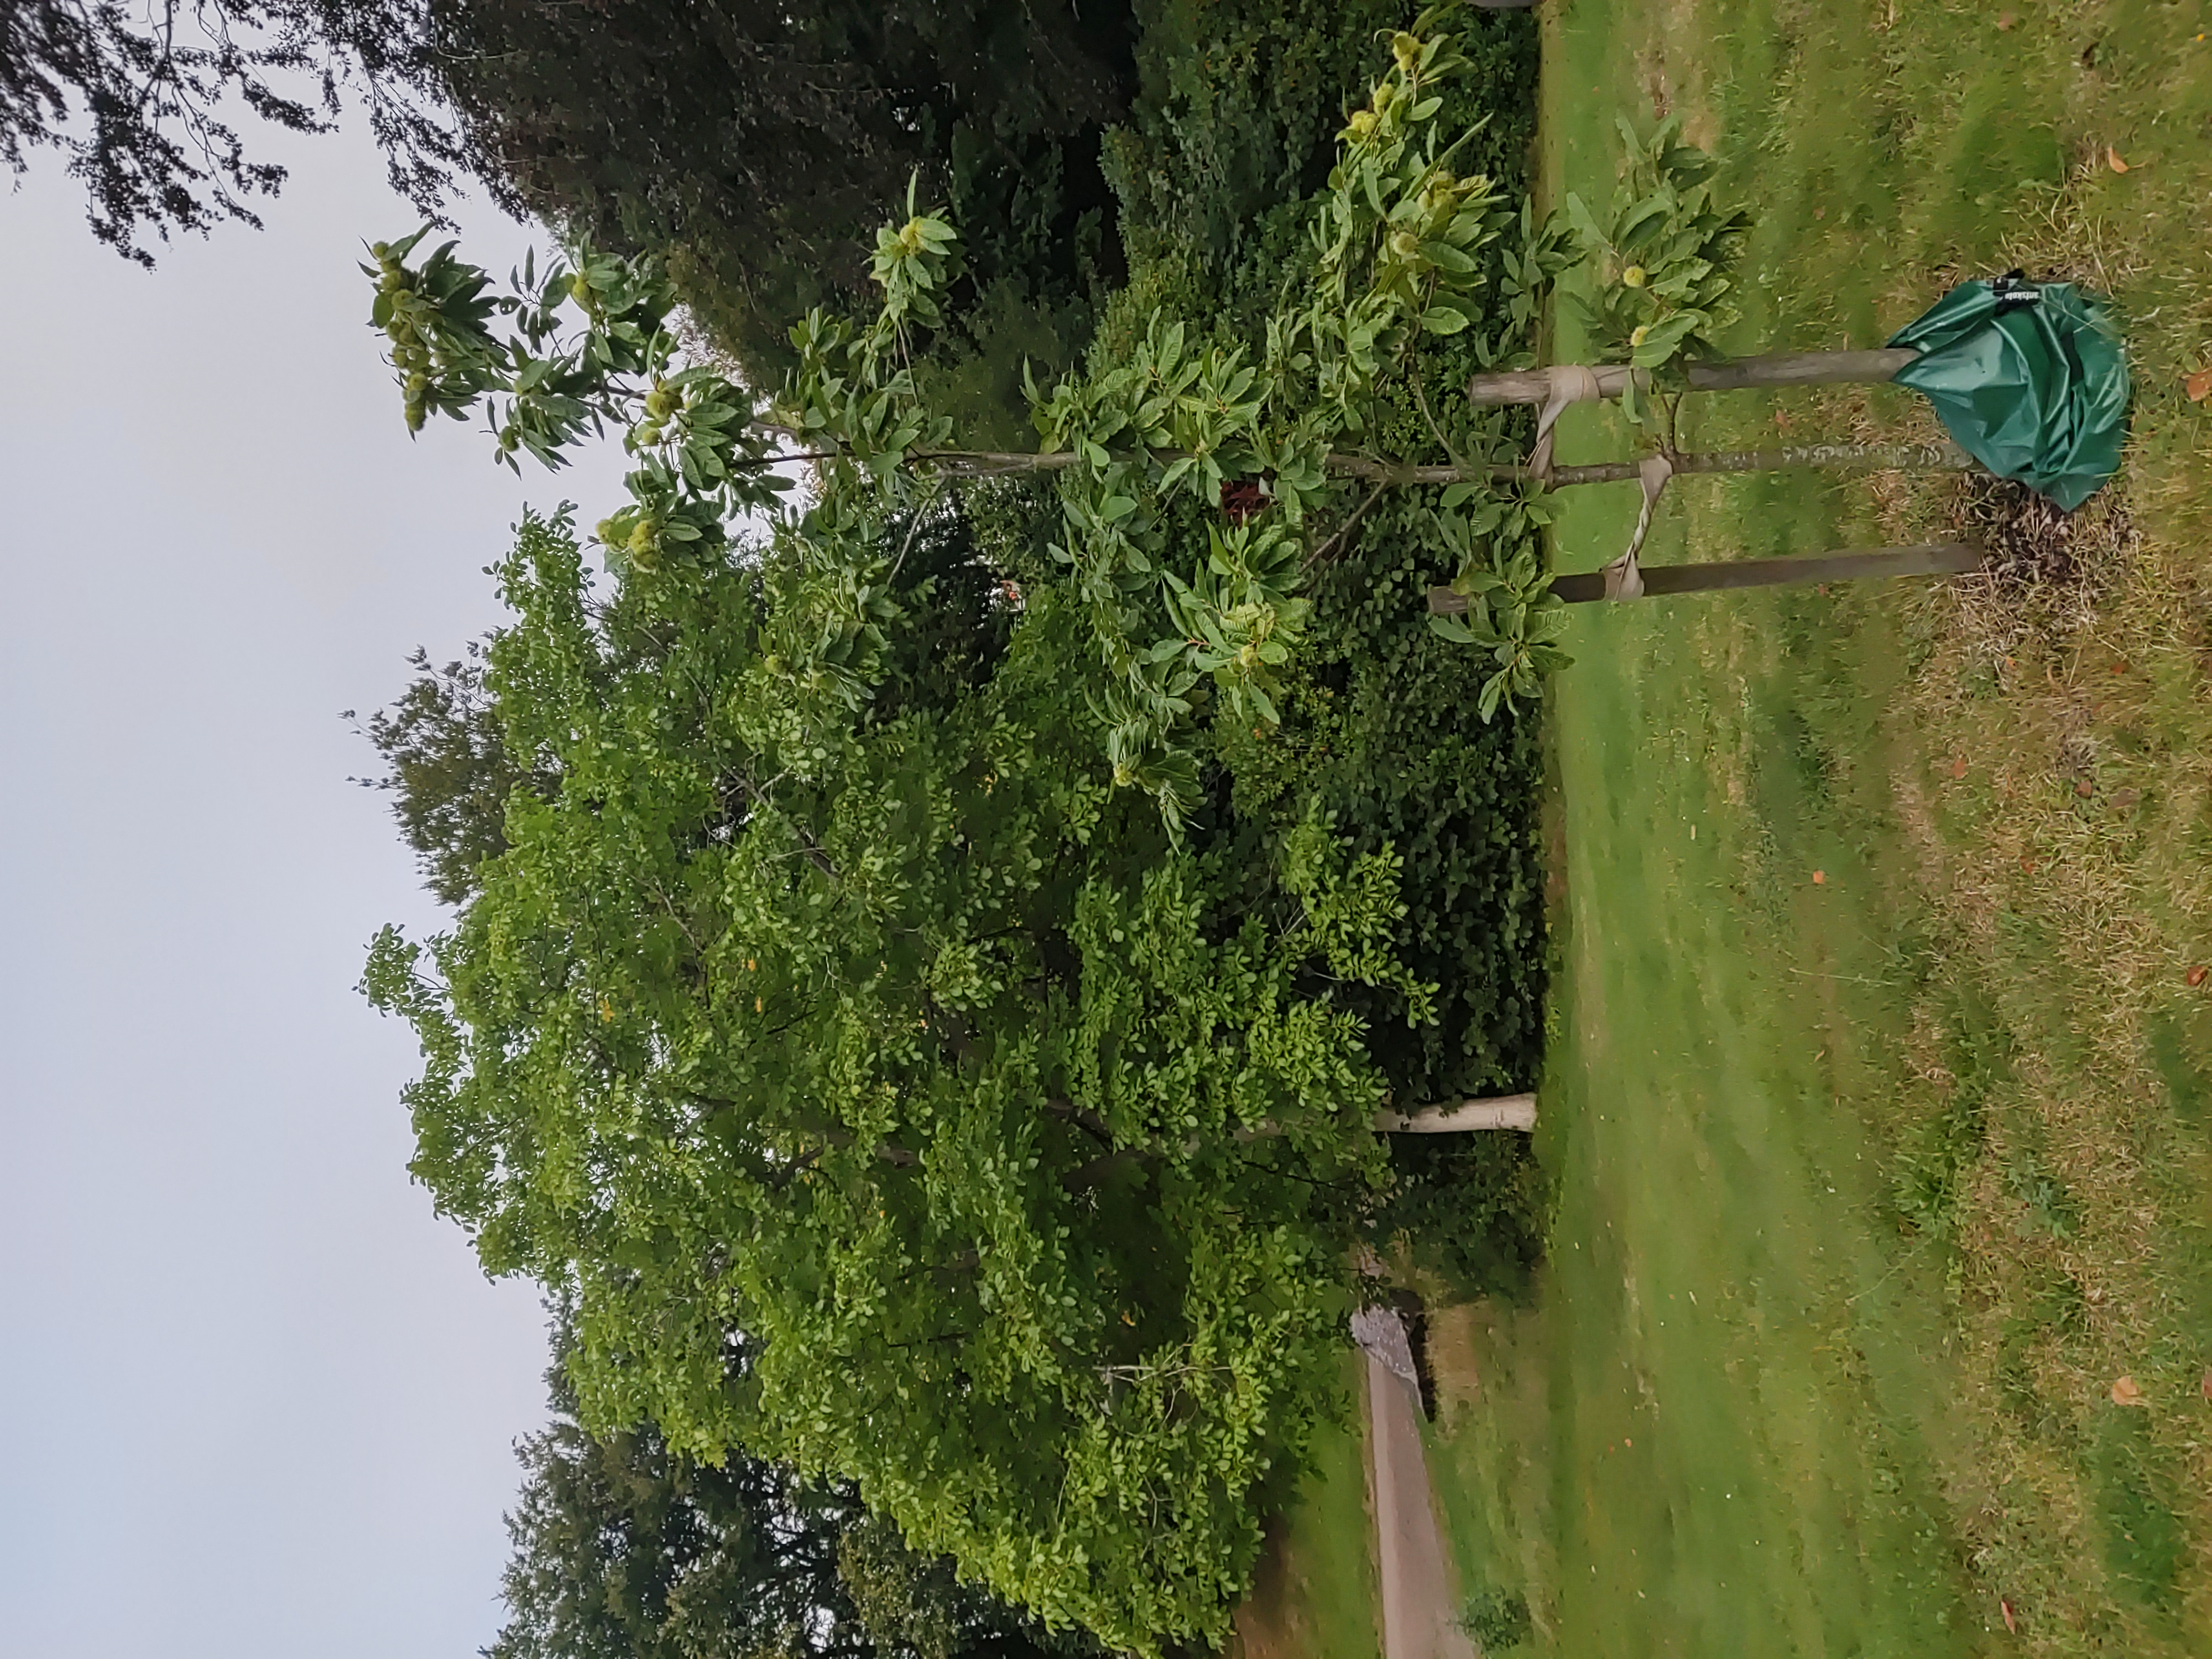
(841,1039)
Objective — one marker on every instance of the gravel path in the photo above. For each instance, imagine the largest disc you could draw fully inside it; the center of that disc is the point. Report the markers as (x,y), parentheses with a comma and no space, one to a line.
(1420,1619)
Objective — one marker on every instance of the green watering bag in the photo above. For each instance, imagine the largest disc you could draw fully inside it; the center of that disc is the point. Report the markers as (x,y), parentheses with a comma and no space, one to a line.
(2029,378)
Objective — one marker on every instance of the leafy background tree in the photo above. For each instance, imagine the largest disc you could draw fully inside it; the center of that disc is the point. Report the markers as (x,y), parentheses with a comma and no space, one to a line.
(450,772)
(626,1550)
(881,1024)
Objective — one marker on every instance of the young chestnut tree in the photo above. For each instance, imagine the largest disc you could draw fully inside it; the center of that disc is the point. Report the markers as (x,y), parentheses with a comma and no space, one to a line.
(1395,238)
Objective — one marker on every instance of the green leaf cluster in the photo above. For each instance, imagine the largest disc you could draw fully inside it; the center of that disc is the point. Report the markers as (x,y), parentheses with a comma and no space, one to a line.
(910,281)
(437,317)
(1667,255)
(1399,242)
(1166,428)
(1182,182)
(1512,612)
(1393,262)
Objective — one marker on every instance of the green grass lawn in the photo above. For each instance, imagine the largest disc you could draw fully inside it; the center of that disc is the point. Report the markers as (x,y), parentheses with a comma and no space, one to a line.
(1746,1423)
(1877,1097)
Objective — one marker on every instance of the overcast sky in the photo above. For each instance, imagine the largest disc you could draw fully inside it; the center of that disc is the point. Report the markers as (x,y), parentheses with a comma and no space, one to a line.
(257,1399)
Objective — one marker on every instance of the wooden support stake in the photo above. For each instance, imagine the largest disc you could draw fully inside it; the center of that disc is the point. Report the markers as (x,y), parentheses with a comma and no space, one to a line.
(1857,564)
(1944,456)
(1778,369)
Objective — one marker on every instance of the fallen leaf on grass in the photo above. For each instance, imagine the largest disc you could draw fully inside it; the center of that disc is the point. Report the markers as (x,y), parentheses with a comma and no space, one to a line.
(2195,977)
(2085,788)
(2028,865)
(2005,1607)
(2198,386)
(2125,1393)
(2112,160)
(1959,767)
(1820,877)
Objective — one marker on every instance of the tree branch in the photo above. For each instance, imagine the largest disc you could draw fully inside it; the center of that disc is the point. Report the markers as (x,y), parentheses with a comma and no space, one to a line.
(1329,547)
(807,844)
(1068,1112)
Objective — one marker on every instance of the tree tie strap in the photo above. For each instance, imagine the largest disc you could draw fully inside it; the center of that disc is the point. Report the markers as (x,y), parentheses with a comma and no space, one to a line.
(1623,579)
(1570,383)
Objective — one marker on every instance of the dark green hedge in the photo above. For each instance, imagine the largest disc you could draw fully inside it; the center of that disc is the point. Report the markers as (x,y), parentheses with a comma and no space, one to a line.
(1238,107)
(759,146)
(1233,128)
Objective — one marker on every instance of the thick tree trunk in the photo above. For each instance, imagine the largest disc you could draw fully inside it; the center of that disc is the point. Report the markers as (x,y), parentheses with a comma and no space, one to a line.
(1447,1117)
(1784,368)
(1499,1112)
(1536,386)
(1936,559)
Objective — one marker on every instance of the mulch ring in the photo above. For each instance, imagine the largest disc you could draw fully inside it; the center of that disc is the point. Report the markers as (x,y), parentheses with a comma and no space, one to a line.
(2029,537)
(2034,543)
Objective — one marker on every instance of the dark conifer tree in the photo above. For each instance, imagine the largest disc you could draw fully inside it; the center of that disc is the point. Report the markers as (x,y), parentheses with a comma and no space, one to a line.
(762,142)
(138,100)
